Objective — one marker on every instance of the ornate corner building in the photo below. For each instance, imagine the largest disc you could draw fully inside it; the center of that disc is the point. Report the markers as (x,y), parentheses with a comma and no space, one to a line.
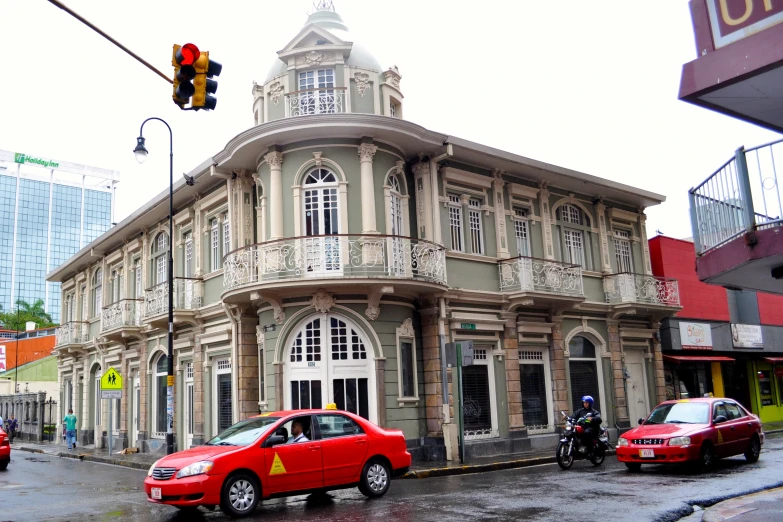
(329,252)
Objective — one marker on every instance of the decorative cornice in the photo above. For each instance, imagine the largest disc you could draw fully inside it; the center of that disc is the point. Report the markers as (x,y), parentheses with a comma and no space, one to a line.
(406,328)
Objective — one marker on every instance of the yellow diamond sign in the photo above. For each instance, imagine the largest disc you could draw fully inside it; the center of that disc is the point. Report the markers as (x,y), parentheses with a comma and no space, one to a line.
(111,380)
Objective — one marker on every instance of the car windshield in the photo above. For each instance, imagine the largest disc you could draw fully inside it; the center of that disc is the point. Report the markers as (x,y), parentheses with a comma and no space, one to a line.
(680,413)
(243,433)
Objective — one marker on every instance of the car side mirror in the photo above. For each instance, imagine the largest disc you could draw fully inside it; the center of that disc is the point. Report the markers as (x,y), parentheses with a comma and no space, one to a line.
(719,419)
(280,432)
(274,440)
(640,421)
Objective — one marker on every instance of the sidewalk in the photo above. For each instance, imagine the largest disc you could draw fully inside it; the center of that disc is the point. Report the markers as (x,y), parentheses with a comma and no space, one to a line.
(418,469)
(757,507)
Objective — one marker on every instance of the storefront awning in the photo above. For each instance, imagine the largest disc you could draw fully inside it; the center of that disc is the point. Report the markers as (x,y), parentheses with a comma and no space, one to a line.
(774,360)
(696,358)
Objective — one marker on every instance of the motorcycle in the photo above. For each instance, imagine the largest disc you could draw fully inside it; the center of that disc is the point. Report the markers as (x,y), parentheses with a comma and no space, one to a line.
(571,447)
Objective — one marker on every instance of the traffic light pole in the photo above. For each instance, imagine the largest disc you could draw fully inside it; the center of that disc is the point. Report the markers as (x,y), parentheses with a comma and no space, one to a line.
(170,374)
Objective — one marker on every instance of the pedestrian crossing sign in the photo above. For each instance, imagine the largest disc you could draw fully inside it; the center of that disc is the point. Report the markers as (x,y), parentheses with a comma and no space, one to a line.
(111,380)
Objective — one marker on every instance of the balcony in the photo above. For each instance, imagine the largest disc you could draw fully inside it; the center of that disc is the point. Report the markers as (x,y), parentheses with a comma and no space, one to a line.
(342,258)
(628,288)
(188,295)
(121,318)
(71,336)
(529,275)
(737,221)
(315,101)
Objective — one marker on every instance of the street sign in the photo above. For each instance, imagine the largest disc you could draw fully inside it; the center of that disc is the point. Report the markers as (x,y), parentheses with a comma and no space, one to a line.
(111,394)
(467,326)
(111,380)
(464,357)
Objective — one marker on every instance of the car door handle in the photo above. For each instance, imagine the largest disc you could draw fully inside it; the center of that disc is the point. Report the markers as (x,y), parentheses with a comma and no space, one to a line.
(361,441)
(315,447)
(750,424)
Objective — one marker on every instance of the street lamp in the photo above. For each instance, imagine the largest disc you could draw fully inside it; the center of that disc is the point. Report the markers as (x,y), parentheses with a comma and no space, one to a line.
(141,154)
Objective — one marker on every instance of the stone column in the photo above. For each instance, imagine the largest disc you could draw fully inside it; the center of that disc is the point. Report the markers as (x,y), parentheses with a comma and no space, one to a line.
(600,211)
(432,372)
(247,366)
(516,420)
(198,392)
(618,383)
(557,364)
(500,215)
(660,381)
(366,154)
(206,377)
(143,387)
(275,161)
(279,403)
(546,222)
(380,389)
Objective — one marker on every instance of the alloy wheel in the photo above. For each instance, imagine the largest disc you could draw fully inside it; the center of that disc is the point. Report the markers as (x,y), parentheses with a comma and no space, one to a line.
(377,478)
(241,495)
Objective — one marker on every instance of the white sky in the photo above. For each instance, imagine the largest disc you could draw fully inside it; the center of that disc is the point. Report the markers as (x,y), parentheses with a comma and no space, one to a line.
(591,86)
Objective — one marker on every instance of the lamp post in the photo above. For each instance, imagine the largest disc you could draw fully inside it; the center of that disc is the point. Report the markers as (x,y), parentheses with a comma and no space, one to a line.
(141,154)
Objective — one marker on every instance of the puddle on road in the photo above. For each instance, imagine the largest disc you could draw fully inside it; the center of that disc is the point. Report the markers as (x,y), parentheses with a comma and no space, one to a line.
(34,459)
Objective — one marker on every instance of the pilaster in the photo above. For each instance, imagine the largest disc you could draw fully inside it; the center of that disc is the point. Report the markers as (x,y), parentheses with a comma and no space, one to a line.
(660,381)
(546,221)
(500,215)
(247,366)
(366,153)
(433,393)
(645,246)
(198,391)
(618,382)
(423,194)
(558,369)
(513,383)
(600,211)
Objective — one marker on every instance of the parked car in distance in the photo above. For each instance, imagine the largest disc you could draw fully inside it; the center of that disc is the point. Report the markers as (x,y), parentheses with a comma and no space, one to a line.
(5,450)
(257,459)
(692,430)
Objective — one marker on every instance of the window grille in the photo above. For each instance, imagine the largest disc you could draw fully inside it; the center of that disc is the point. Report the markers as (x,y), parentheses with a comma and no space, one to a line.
(480,354)
(525,355)
(189,370)
(571,214)
(476,229)
(574,248)
(189,255)
(455,223)
(226,234)
(622,250)
(224,364)
(214,246)
(521,232)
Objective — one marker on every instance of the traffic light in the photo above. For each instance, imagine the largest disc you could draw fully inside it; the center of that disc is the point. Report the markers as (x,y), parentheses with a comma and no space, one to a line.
(183,59)
(203,84)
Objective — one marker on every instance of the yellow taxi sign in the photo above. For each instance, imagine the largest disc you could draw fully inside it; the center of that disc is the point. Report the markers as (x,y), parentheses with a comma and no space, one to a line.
(277,466)
(111,380)
(331,406)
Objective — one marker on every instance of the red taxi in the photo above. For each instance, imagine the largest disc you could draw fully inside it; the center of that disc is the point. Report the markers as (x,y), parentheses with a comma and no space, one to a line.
(257,458)
(5,450)
(692,430)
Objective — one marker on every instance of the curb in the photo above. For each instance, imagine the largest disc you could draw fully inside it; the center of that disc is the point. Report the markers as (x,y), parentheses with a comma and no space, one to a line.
(90,458)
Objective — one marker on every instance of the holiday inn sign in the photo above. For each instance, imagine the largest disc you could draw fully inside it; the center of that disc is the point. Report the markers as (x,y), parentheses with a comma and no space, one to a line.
(24,158)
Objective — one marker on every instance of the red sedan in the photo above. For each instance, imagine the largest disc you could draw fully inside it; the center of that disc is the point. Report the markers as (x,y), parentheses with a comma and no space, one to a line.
(692,430)
(5,450)
(280,454)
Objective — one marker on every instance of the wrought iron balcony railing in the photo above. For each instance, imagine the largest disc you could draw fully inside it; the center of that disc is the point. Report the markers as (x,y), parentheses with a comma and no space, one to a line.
(125,312)
(316,101)
(187,296)
(529,274)
(73,332)
(335,256)
(641,288)
(744,194)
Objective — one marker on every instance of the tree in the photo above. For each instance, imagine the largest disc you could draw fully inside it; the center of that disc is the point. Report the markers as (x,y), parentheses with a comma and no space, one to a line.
(17,319)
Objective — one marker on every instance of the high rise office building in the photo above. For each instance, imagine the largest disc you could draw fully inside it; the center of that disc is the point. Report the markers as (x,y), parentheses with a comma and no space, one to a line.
(49,210)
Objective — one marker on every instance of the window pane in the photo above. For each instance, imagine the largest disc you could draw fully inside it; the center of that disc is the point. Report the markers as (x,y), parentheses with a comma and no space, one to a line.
(581,348)
(534,404)
(224,401)
(160,403)
(406,365)
(584,381)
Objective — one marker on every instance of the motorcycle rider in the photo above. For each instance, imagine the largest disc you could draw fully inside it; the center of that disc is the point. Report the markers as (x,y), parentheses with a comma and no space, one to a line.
(592,422)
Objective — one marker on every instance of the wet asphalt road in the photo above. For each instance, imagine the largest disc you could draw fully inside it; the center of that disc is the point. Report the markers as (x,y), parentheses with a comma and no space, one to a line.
(37,487)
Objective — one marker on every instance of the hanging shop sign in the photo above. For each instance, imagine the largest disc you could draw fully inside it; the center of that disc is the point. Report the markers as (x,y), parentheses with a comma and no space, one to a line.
(695,336)
(746,336)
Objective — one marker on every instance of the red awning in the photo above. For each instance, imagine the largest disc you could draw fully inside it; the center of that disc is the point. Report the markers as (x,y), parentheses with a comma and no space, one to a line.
(774,360)
(696,358)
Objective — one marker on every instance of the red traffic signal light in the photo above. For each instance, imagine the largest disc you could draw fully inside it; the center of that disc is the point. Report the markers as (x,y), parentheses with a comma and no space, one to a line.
(187,54)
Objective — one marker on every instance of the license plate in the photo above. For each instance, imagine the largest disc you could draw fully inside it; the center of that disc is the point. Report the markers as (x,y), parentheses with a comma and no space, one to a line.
(156,494)
(647,454)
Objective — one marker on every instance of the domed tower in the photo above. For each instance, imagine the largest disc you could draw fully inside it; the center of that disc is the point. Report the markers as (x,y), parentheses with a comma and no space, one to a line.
(322,70)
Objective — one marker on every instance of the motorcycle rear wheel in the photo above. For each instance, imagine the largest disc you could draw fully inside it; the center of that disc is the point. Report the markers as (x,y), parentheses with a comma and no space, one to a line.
(599,454)
(564,460)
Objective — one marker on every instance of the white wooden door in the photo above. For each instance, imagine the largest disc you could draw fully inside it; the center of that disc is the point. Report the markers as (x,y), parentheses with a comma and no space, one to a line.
(638,404)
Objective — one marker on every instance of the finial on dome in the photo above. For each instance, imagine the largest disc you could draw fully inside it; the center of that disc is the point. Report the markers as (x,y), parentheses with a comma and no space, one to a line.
(324,5)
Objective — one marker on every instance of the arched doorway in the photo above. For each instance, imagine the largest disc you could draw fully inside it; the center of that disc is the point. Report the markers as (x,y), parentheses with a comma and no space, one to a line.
(328,359)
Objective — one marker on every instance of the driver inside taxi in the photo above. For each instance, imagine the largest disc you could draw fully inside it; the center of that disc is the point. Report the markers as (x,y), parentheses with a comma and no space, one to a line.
(297,434)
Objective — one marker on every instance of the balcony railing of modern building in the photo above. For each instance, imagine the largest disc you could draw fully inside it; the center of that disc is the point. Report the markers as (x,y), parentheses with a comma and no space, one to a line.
(188,296)
(544,276)
(72,333)
(316,101)
(743,195)
(125,313)
(630,288)
(339,256)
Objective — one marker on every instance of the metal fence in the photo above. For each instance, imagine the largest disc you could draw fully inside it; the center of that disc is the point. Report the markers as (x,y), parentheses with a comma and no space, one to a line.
(742,195)
(35,415)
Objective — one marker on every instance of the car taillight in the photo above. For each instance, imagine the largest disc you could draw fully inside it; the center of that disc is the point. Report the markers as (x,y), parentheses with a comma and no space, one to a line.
(5,443)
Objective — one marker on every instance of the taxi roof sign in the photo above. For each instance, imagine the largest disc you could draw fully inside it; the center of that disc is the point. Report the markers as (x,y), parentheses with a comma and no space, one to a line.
(111,380)
(331,406)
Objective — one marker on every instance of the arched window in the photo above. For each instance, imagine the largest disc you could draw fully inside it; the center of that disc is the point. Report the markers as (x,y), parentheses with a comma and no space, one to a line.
(321,218)
(160,254)
(97,292)
(583,371)
(575,235)
(159,394)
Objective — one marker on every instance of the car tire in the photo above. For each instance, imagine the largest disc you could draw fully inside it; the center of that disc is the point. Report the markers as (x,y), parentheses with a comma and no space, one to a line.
(4,464)
(633,466)
(240,495)
(754,449)
(706,458)
(375,479)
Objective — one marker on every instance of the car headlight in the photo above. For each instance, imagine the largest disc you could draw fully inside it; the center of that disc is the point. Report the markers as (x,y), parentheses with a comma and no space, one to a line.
(149,473)
(679,441)
(622,441)
(195,469)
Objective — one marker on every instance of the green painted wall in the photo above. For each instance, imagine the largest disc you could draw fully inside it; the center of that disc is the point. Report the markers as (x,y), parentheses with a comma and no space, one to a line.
(213,289)
(359,103)
(594,288)
(475,275)
(41,370)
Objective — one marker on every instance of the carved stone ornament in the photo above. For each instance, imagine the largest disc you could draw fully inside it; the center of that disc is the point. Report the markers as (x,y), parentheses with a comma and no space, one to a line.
(274,159)
(322,301)
(374,301)
(314,57)
(367,151)
(260,335)
(362,82)
(406,328)
(318,159)
(258,91)
(275,92)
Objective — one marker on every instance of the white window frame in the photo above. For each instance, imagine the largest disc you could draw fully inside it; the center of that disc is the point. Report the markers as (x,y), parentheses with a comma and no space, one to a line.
(189,419)
(571,214)
(456,223)
(407,335)
(155,374)
(490,346)
(188,251)
(97,292)
(98,402)
(221,365)
(622,251)
(522,232)
(599,369)
(544,351)
(85,303)
(261,374)
(139,286)
(570,249)
(160,257)
(476,226)
(226,236)
(214,245)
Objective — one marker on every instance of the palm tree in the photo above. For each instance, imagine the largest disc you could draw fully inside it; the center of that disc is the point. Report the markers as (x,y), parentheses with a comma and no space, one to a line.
(34,312)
